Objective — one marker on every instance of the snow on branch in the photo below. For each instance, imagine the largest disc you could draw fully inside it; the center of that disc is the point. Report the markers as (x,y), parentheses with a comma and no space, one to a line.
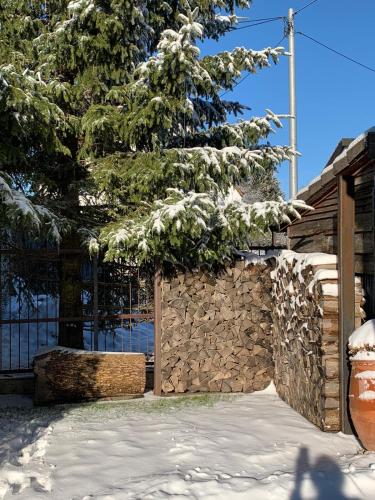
(144,176)
(81,7)
(231,164)
(17,210)
(260,216)
(26,99)
(242,134)
(177,62)
(197,224)
(225,67)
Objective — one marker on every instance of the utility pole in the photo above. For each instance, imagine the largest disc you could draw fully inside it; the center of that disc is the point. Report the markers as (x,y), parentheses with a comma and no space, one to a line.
(293,167)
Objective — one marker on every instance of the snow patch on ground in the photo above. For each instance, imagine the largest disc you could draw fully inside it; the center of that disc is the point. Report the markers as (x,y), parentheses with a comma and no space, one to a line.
(200,447)
(24,437)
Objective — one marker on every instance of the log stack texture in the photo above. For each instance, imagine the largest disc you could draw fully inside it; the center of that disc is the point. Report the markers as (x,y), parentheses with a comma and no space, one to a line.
(216,330)
(306,335)
(72,375)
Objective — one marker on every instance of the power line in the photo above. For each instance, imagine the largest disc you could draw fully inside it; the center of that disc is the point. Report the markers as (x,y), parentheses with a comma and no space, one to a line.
(248,20)
(236,85)
(256,24)
(264,20)
(305,7)
(336,52)
(278,43)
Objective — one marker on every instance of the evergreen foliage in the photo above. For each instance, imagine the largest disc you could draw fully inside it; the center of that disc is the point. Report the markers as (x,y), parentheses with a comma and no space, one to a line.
(175,163)
(113,123)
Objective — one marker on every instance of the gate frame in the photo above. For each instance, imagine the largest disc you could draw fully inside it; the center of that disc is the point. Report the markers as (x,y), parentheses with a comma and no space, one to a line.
(157,332)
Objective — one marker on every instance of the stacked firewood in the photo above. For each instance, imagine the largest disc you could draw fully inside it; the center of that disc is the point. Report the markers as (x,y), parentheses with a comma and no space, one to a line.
(216,330)
(306,335)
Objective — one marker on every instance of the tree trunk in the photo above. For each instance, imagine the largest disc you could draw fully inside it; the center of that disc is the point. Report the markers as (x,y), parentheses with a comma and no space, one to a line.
(71,331)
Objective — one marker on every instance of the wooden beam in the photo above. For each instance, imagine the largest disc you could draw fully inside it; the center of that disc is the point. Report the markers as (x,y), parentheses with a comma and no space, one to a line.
(372,298)
(1,310)
(346,263)
(157,333)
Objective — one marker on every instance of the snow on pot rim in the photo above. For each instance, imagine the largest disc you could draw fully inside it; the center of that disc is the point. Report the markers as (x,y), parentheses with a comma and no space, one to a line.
(362,342)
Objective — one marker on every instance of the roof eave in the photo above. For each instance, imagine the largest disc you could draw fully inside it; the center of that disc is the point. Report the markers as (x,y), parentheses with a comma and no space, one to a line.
(363,143)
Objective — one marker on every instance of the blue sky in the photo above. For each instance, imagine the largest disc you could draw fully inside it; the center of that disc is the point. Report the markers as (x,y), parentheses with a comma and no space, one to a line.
(335,98)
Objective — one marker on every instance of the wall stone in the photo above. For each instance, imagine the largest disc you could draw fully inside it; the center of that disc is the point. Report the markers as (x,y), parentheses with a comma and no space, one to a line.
(306,335)
(72,375)
(216,330)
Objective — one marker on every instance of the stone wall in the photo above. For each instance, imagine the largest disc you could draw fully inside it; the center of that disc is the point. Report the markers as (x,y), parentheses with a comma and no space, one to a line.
(72,375)
(216,330)
(305,335)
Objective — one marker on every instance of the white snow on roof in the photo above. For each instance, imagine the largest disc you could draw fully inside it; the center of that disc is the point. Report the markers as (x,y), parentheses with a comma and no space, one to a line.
(357,140)
(342,155)
(338,158)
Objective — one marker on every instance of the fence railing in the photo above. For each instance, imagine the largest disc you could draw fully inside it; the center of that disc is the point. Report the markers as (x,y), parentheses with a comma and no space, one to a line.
(109,304)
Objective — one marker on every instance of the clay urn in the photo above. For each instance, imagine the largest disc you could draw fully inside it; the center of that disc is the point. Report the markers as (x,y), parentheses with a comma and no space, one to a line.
(362,383)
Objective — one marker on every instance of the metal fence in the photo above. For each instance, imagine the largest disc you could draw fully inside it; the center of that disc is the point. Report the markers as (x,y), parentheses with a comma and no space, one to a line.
(115,304)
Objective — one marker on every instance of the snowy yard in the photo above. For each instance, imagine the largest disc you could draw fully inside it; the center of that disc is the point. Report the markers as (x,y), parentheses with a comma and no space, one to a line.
(229,447)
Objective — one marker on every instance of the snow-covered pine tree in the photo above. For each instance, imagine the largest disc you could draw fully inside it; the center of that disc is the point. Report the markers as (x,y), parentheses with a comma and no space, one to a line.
(176,158)
(148,130)
(58,61)
(30,122)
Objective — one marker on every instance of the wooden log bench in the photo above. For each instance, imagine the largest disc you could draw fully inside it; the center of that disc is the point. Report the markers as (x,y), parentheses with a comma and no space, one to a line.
(68,375)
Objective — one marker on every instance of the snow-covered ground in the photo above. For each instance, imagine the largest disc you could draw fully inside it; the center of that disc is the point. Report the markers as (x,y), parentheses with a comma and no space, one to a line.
(208,447)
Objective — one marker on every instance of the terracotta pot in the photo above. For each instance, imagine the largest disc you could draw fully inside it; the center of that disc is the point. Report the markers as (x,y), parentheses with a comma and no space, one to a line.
(362,406)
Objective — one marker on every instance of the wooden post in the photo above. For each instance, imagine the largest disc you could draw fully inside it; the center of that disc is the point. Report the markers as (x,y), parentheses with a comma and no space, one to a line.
(70,297)
(95,302)
(1,315)
(157,332)
(346,261)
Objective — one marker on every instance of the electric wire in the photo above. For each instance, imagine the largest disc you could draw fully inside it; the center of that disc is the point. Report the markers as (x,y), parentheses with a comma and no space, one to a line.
(305,7)
(257,22)
(249,20)
(336,51)
(234,28)
(236,84)
(281,40)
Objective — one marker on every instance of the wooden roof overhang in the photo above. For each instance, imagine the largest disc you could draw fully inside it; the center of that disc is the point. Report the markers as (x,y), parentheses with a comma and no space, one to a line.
(351,161)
